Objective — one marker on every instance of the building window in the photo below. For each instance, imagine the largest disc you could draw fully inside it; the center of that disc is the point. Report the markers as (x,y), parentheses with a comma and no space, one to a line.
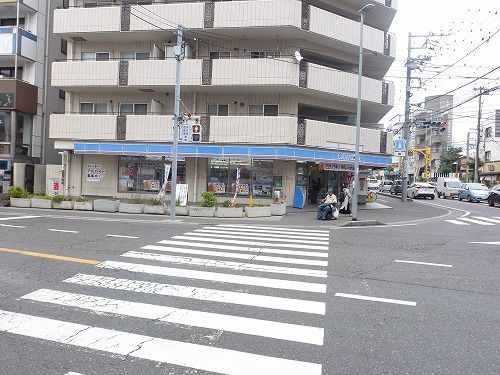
(214,55)
(266,110)
(264,54)
(487,156)
(64,46)
(271,110)
(488,132)
(94,108)
(262,178)
(8,72)
(12,22)
(24,126)
(128,56)
(133,109)
(218,109)
(95,56)
(62,94)
(145,174)
(218,177)
(5,126)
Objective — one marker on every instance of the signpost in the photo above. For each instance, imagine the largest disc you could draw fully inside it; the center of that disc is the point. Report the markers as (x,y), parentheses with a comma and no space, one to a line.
(400,147)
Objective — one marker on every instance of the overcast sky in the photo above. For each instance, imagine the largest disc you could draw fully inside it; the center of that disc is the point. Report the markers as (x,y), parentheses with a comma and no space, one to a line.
(468,23)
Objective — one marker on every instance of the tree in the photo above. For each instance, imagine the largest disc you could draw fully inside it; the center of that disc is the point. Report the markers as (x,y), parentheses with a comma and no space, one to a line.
(451,156)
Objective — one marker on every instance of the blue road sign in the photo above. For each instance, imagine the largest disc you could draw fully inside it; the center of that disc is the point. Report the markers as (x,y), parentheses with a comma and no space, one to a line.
(399,145)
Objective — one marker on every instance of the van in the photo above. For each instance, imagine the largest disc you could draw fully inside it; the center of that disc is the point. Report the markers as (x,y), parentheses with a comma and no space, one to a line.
(372,183)
(448,187)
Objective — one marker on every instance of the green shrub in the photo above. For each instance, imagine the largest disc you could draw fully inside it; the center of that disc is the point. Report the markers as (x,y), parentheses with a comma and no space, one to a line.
(208,199)
(57,198)
(81,199)
(155,202)
(18,192)
(226,203)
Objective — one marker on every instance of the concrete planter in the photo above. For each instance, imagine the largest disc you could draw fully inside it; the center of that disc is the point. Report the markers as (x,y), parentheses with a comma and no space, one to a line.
(229,212)
(156,209)
(20,202)
(202,211)
(278,209)
(64,205)
(41,203)
(258,211)
(131,208)
(179,210)
(83,206)
(106,205)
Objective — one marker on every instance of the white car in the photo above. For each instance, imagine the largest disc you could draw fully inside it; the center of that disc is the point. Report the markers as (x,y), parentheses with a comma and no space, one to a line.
(385,186)
(421,190)
(372,183)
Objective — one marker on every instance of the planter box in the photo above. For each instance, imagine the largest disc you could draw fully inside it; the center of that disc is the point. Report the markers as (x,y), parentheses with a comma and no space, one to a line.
(131,208)
(202,211)
(278,209)
(258,211)
(157,209)
(229,212)
(20,202)
(83,206)
(106,205)
(64,205)
(41,203)
(179,211)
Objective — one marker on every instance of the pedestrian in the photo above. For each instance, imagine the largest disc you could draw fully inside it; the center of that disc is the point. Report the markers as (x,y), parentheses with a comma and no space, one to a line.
(345,198)
(327,207)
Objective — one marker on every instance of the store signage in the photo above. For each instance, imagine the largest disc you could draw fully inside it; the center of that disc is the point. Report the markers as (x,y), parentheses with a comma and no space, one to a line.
(337,167)
(491,167)
(347,157)
(181,194)
(217,187)
(55,186)
(151,185)
(95,172)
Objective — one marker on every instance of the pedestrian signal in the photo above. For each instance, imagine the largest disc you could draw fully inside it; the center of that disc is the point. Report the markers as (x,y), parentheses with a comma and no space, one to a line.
(196,133)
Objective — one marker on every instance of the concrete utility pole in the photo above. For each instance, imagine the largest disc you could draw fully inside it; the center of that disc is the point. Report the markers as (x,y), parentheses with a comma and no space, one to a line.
(467,157)
(179,56)
(482,91)
(406,126)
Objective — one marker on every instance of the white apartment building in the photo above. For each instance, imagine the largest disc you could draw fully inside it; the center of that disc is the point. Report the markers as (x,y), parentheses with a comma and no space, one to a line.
(25,97)
(283,123)
(491,168)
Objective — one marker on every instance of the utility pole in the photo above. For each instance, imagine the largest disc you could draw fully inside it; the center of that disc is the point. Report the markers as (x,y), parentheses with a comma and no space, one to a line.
(467,158)
(482,91)
(406,125)
(179,56)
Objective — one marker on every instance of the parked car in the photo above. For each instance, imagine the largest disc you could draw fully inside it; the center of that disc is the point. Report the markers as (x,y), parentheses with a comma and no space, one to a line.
(372,183)
(397,187)
(421,190)
(385,186)
(473,192)
(448,187)
(494,196)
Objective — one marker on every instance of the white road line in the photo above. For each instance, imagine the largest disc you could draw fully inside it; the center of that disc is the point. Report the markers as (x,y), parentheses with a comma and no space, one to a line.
(201,294)
(18,218)
(475,221)
(224,264)
(12,226)
(191,243)
(487,243)
(456,222)
(256,255)
(214,276)
(376,299)
(73,373)
(64,231)
(229,323)
(249,236)
(210,359)
(496,221)
(264,231)
(275,229)
(423,263)
(254,243)
(120,236)
(251,232)
(496,217)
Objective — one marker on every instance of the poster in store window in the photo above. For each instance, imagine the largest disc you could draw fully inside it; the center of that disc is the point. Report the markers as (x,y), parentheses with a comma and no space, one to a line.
(95,172)
(151,185)
(181,194)
(217,187)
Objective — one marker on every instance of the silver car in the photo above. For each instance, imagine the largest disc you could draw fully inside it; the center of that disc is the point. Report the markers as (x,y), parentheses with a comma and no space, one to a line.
(385,186)
(473,192)
(421,190)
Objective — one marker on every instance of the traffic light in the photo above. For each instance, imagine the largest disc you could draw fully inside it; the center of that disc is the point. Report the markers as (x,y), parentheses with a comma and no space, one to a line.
(440,125)
(196,133)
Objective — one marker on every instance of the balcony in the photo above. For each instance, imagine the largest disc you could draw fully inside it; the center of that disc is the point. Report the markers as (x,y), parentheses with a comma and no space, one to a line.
(81,21)
(158,73)
(82,75)
(18,95)
(15,40)
(79,126)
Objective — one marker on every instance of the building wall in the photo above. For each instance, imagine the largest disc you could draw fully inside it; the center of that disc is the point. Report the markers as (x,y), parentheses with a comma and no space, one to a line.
(108,184)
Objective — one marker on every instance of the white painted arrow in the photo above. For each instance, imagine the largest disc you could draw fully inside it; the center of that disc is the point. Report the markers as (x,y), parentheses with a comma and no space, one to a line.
(488,243)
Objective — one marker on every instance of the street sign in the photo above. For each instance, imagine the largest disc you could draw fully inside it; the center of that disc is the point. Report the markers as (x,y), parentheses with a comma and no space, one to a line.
(184,133)
(190,130)
(399,147)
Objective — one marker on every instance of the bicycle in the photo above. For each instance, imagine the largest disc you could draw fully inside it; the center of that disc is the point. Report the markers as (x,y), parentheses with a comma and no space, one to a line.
(371,197)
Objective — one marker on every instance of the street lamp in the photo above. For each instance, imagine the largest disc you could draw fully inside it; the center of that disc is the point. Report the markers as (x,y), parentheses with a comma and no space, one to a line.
(362,12)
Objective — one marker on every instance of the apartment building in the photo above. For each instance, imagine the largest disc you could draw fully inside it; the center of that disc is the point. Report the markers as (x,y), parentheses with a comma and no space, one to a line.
(25,99)
(490,172)
(281,122)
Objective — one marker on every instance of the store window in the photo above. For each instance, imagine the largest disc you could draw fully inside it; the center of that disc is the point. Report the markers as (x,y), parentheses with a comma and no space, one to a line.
(133,109)
(262,178)
(218,178)
(143,174)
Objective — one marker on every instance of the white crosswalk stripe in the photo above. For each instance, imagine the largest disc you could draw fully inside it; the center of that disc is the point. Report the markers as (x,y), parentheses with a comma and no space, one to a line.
(477,220)
(231,260)
(496,221)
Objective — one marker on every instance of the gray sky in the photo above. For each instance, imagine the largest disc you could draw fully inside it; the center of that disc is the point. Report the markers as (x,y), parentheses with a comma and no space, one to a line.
(469,24)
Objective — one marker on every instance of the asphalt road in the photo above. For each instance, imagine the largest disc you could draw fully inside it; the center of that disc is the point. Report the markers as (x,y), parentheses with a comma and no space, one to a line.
(100,294)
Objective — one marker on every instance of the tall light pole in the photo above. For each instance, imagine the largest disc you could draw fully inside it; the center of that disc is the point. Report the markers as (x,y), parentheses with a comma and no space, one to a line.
(362,12)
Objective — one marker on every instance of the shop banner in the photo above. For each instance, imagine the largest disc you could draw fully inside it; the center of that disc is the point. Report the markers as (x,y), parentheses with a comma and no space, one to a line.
(217,187)
(337,167)
(237,187)
(181,194)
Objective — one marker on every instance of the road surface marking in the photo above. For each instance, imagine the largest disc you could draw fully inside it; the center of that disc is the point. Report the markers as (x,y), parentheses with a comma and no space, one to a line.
(73,373)
(238,266)
(12,226)
(423,263)
(245,248)
(229,323)
(214,276)
(210,359)
(376,299)
(264,231)
(64,231)
(475,221)
(456,222)
(487,243)
(487,219)
(201,294)
(276,229)
(249,232)
(120,236)
(248,236)
(254,243)
(18,217)
(255,255)
(49,256)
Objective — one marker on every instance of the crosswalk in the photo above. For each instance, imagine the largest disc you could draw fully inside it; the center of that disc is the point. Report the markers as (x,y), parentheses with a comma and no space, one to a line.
(475,220)
(264,286)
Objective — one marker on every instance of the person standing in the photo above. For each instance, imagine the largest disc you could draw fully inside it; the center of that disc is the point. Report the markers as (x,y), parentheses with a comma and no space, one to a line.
(345,198)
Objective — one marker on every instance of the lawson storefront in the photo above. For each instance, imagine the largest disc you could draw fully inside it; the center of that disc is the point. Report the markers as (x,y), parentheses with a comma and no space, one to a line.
(124,170)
